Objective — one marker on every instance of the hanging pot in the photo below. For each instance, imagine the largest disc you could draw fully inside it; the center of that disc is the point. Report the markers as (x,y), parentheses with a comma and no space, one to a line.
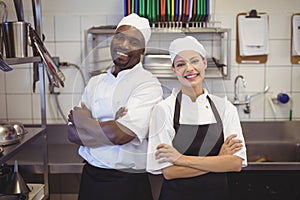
(15,35)
(3,18)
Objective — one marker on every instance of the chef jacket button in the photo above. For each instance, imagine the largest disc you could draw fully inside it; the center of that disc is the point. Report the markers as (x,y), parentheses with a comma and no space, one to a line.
(206,107)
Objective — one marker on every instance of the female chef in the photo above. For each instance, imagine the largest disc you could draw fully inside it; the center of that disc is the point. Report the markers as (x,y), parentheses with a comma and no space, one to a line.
(187,131)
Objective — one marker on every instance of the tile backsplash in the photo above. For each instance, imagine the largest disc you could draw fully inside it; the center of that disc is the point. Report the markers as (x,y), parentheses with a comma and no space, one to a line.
(64,26)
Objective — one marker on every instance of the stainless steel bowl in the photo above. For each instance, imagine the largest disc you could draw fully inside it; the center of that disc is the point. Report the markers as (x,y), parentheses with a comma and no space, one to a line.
(8,135)
(19,128)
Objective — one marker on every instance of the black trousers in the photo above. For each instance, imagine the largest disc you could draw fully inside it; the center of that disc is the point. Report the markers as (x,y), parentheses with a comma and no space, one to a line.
(110,184)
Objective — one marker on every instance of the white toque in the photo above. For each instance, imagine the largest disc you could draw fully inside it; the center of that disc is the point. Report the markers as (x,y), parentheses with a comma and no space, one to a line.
(186,43)
(140,23)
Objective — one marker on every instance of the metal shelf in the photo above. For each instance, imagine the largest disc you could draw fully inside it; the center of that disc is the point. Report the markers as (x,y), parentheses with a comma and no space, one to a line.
(33,133)
(215,38)
(111,30)
(62,158)
(15,61)
(11,150)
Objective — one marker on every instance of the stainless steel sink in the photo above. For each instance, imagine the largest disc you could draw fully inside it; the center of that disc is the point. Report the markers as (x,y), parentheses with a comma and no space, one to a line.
(280,131)
(272,145)
(272,152)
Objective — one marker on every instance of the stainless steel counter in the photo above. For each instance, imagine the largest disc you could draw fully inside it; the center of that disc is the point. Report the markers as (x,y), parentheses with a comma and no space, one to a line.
(273,166)
(11,150)
(63,156)
(64,159)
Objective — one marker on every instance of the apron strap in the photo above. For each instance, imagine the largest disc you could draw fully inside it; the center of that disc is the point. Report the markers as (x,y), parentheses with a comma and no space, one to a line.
(177,111)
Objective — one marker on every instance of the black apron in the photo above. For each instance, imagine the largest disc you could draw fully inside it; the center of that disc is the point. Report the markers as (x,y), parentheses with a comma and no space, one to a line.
(197,140)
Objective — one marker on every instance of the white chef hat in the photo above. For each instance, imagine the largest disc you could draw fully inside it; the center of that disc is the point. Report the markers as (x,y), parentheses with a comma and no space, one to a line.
(140,23)
(186,43)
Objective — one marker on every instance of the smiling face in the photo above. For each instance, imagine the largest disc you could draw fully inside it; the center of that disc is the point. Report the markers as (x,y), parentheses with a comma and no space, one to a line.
(127,46)
(189,68)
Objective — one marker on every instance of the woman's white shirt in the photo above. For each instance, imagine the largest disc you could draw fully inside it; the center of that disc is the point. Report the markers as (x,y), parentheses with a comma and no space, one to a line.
(193,113)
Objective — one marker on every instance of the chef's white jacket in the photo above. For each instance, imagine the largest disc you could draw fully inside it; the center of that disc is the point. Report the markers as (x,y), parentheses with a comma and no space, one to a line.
(137,90)
(193,113)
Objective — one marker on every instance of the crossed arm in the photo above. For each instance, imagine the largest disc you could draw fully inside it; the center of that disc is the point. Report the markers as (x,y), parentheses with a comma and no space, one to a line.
(190,166)
(84,130)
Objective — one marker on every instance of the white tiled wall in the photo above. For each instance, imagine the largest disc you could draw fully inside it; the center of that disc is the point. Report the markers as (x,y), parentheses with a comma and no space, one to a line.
(64,25)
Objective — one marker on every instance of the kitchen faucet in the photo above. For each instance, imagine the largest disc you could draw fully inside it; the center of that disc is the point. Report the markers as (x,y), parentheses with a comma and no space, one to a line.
(236,98)
(247,101)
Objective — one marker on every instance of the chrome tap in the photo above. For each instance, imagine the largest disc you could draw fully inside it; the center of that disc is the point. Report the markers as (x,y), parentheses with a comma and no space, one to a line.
(247,103)
(248,99)
(236,98)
